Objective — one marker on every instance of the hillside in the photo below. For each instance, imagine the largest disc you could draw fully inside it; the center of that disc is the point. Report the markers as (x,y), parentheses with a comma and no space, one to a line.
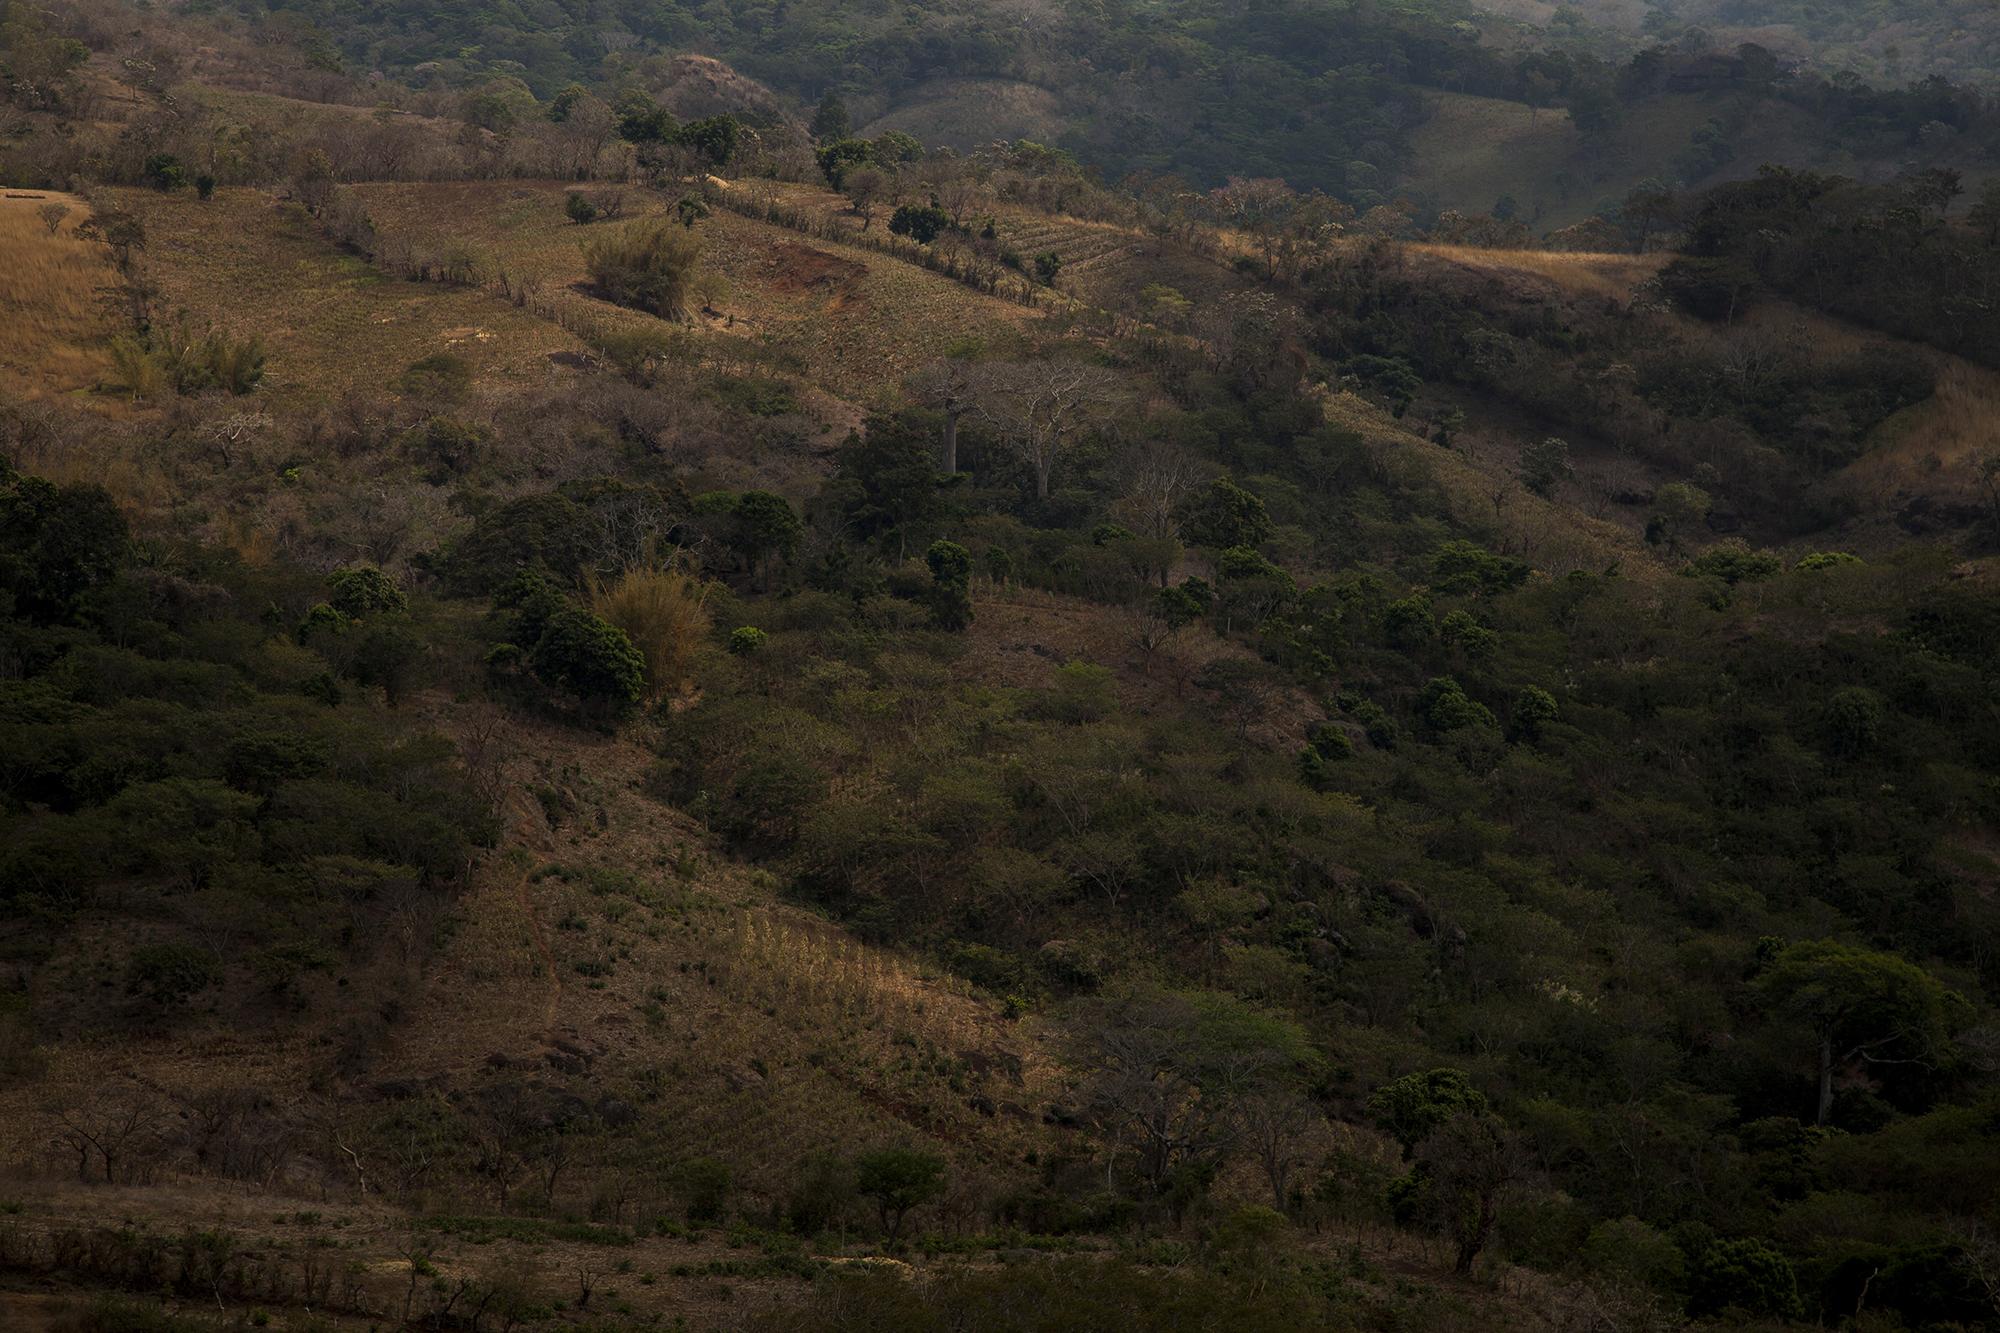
(636,697)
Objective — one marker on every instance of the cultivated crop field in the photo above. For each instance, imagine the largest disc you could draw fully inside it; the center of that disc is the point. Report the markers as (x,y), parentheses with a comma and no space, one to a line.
(1103,264)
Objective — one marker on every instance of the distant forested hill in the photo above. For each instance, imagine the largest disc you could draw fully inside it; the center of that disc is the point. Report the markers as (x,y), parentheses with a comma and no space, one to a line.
(1882,41)
(1319,93)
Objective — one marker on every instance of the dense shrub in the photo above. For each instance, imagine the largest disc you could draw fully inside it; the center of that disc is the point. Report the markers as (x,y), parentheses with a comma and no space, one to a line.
(589,658)
(57,544)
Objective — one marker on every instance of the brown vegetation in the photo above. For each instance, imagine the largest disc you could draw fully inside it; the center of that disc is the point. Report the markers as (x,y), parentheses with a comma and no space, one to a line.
(56,311)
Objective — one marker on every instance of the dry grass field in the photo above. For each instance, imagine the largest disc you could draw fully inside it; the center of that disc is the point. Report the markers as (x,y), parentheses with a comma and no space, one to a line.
(331,323)
(846,320)
(1935,448)
(1613,277)
(55,323)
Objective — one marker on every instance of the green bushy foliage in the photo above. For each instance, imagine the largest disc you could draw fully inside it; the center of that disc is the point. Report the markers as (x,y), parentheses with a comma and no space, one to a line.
(57,545)
(921,223)
(589,658)
(1747,1276)
(361,591)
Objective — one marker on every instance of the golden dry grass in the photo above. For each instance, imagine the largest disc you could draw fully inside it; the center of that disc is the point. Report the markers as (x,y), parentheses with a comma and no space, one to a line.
(1936,446)
(664,612)
(55,326)
(1611,276)
(330,322)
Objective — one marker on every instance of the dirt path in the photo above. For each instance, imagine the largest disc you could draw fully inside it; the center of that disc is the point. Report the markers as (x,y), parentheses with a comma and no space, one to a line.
(523,820)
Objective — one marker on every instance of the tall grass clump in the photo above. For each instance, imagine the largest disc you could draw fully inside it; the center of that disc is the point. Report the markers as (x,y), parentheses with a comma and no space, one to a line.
(648,264)
(664,611)
(178,358)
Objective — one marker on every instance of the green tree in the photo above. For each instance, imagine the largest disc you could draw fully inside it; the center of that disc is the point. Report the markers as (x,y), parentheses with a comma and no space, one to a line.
(1222,516)
(899,1180)
(1392,377)
(1648,208)
(169,975)
(715,138)
(1747,1276)
(1985,213)
(1534,708)
(841,156)
(1854,720)
(704,1185)
(360,591)
(1735,563)
(1181,606)
(1858,1007)
(886,483)
(590,658)
(1410,1109)
(830,120)
(1444,706)
(183,827)
(894,147)
(1544,465)
(822,1187)
(57,544)
(1465,1163)
(1679,511)
(766,528)
(1633,1254)
(163,171)
(921,223)
(642,120)
(951,585)
(387,656)
(564,102)
(1168,1069)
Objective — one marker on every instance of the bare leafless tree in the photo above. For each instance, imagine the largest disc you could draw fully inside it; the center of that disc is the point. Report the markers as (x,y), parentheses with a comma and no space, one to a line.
(1155,478)
(1041,408)
(119,1127)
(1275,1123)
